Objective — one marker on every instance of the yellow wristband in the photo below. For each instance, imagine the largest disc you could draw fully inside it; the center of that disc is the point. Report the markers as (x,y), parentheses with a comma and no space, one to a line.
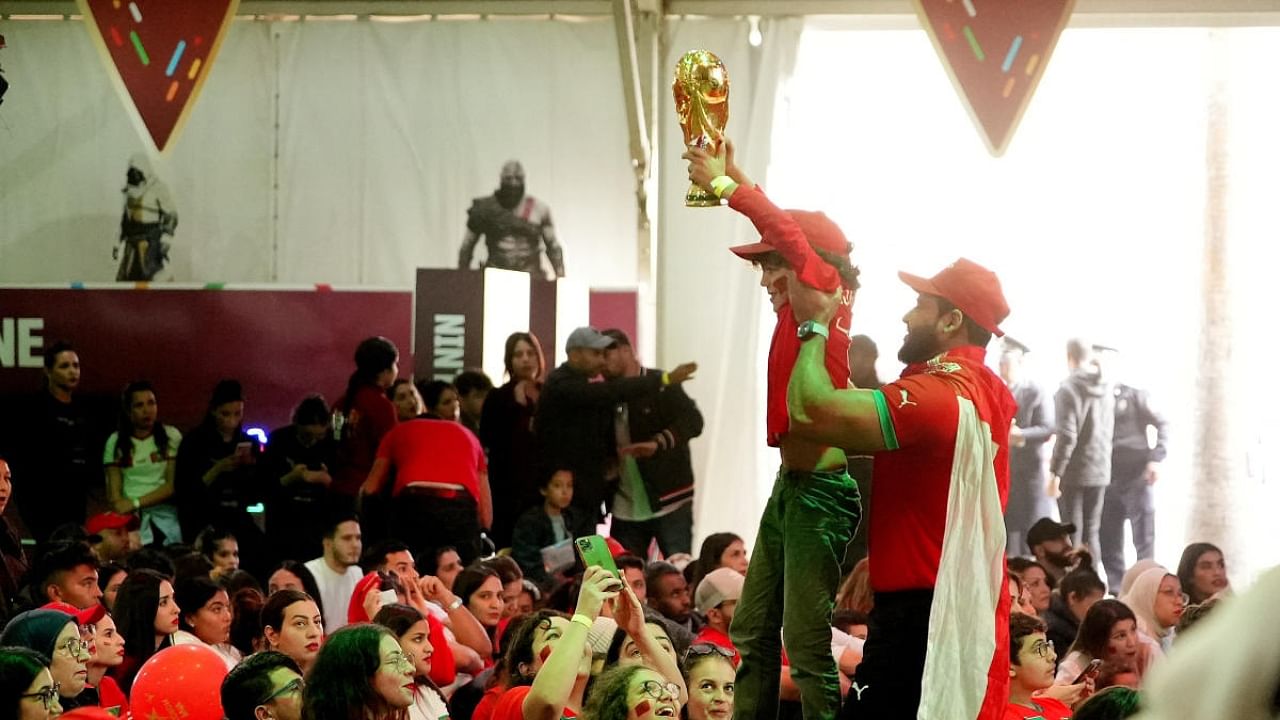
(583,620)
(721,183)
(666,378)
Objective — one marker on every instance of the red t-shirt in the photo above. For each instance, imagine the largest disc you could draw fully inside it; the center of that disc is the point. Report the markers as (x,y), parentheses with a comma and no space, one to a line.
(1046,709)
(444,668)
(511,705)
(711,635)
(434,453)
(369,416)
(919,414)
(781,231)
(484,708)
(112,698)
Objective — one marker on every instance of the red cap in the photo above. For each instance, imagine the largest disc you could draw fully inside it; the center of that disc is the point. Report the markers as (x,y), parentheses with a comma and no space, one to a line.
(818,229)
(615,548)
(63,607)
(355,608)
(91,614)
(111,521)
(970,287)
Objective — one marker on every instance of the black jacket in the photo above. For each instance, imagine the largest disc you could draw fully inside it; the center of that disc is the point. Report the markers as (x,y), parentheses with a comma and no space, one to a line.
(670,418)
(574,428)
(1062,625)
(1085,407)
(1035,419)
(1134,414)
(533,532)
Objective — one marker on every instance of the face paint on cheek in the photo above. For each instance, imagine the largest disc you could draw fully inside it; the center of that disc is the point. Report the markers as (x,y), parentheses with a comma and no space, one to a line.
(546,653)
(643,708)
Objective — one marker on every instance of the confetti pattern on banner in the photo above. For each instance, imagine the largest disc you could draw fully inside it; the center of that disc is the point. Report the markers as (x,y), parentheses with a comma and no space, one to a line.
(159,52)
(995,52)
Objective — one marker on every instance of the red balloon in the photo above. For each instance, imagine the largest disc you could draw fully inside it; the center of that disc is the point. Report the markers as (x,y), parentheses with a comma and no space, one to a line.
(182,682)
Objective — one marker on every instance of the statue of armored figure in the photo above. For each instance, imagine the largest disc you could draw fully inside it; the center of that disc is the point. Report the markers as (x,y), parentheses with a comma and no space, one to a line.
(149,215)
(516,228)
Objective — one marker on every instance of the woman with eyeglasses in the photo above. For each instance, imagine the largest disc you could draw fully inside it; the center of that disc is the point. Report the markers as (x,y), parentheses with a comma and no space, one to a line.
(549,657)
(27,689)
(710,675)
(1157,601)
(361,673)
(108,652)
(146,615)
(207,618)
(413,632)
(56,635)
(633,692)
(293,625)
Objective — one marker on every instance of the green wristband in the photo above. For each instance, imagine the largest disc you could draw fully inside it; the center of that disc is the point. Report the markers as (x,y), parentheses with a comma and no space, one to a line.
(721,183)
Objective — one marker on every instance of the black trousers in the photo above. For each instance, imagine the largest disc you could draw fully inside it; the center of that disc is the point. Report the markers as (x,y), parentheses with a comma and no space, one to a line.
(426,521)
(886,685)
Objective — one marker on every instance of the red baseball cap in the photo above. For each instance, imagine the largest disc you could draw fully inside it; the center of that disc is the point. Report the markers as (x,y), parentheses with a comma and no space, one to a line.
(91,614)
(970,287)
(819,229)
(615,548)
(111,521)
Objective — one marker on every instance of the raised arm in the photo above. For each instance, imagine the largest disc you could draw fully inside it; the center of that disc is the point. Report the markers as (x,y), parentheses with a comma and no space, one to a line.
(851,419)
(775,225)
(620,389)
(630,616)
(553,685)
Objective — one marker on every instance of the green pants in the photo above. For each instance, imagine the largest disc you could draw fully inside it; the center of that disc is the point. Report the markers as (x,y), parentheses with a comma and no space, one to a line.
(791,584)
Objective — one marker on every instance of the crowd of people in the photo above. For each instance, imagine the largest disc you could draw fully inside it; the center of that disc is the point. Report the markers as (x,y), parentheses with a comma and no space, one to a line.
(414,556)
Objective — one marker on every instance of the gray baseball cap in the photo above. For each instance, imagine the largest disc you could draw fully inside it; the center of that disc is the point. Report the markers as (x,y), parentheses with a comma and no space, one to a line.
(587,337)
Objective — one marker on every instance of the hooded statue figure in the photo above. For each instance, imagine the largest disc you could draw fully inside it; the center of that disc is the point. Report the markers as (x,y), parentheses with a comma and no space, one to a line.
(149,215)
(515,227)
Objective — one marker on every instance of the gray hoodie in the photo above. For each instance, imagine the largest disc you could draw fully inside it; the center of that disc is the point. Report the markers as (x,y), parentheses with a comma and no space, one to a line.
(1085,405)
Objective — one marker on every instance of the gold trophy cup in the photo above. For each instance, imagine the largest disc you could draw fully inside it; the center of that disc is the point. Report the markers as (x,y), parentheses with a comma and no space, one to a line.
(701,89)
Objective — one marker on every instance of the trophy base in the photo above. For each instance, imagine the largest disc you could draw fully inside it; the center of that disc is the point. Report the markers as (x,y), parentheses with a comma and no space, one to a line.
(698,197)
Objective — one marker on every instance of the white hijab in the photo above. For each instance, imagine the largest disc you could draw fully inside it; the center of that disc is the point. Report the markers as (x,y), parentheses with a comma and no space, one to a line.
(1223,667)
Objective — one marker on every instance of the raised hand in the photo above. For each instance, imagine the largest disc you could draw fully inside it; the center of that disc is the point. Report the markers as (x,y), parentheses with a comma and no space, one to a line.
(808,303)
(683,371)
(598,587)
(628,612)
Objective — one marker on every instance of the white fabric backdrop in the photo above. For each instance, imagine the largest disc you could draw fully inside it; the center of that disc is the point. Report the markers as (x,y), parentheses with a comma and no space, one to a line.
(1094,220)
(65,142)
(710,306)
(387,130)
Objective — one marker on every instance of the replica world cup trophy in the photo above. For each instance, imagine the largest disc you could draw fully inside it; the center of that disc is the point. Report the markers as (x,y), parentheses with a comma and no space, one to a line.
(701,89)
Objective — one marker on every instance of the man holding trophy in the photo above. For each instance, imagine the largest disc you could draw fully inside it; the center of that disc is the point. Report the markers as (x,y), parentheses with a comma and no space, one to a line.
(814,507)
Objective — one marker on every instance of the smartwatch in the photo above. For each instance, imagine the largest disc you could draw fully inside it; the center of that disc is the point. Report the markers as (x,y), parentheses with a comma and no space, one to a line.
(809,328)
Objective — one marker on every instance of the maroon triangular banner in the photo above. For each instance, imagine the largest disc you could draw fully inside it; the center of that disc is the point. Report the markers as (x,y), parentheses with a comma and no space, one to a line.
(159,52)
(995,52)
